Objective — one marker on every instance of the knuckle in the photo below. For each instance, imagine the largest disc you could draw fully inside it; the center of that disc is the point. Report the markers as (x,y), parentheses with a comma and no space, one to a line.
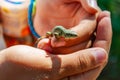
(85,61)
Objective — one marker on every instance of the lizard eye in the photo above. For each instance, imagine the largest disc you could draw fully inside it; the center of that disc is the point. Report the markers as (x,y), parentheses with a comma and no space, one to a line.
(56,34)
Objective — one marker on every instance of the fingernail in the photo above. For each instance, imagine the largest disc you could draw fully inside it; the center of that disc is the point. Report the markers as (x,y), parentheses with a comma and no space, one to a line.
(100,55)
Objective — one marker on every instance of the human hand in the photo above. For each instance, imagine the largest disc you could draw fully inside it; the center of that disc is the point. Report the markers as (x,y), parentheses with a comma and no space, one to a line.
(77,15)
(103,40)
(28,63)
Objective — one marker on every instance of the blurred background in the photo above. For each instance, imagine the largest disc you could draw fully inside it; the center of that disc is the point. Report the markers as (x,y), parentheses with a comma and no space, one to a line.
(14,12)
(14,28)
(112,70)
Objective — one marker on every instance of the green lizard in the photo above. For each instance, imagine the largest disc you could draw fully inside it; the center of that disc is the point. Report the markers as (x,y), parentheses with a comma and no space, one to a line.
(59,32)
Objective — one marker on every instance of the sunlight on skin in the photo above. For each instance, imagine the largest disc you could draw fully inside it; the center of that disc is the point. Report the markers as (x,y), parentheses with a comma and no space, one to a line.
(78,16)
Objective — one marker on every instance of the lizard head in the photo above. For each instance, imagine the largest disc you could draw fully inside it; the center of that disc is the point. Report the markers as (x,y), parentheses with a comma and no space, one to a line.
(49,34)
(57,35)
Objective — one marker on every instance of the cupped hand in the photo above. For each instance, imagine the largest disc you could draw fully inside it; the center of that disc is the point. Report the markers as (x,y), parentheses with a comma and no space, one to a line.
(103,40)
(28,63)
(77,15)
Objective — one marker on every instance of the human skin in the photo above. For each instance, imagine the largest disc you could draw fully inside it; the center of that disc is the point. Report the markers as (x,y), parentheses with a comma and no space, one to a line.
(77,15)
(86,24)
(103,40)
(27,63)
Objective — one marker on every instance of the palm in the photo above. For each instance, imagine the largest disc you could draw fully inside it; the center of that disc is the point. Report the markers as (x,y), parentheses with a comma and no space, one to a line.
(59,12)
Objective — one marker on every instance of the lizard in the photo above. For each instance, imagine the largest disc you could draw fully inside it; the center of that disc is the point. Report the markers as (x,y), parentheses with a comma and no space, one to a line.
(59,32)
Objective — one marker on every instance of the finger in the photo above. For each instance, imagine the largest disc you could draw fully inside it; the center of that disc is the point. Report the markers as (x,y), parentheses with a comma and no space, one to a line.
(88,75)
(81,61)
(54,67)
(45,45)
(90,6)
(71,49)
(104,31)
(102,15)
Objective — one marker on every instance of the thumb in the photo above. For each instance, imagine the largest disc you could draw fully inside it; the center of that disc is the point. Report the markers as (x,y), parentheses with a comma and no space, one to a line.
(82,61)
(90,6)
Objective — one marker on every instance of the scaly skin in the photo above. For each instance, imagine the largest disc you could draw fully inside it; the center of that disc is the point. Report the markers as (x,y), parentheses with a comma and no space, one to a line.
(59,32)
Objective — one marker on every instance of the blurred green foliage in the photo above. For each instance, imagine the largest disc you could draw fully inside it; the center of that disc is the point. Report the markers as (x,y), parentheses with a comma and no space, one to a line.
(112,70)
